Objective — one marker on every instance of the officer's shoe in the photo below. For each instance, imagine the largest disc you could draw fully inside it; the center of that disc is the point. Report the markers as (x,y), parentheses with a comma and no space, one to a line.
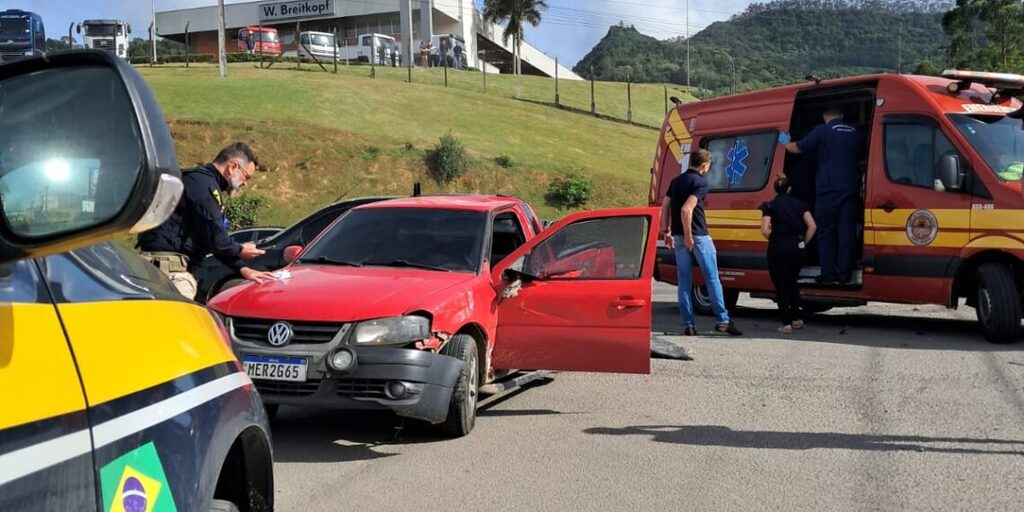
(826,280)
(845,280)
(728,328)
(690,331)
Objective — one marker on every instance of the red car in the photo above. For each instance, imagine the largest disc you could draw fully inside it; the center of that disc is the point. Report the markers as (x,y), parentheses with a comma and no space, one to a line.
(411,304)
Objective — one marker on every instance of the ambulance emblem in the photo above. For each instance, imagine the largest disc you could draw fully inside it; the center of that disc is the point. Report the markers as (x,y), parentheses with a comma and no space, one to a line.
(922,226)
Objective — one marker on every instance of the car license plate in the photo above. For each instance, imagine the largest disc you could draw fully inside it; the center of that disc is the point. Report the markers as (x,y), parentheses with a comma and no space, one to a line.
(275,368)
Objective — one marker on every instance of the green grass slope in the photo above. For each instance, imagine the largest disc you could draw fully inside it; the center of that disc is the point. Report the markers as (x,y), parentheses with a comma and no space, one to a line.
(322,136)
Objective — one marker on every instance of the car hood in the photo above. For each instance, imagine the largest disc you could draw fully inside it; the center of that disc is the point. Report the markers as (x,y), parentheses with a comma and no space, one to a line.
(323,293)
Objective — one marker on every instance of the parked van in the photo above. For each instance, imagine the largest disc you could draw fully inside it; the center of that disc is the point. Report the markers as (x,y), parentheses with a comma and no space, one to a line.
(255,39)
(941,202)
(318,45)
(366,46)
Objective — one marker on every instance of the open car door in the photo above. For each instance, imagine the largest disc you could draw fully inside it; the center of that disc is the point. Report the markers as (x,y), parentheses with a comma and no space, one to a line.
(578,296)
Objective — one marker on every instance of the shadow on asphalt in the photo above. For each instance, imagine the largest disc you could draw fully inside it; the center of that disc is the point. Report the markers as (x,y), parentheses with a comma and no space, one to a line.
(716,435)
(870,330)
(324,435)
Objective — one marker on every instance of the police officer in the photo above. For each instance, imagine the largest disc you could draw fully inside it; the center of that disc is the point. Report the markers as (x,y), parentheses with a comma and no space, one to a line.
(838,147)
(198,226)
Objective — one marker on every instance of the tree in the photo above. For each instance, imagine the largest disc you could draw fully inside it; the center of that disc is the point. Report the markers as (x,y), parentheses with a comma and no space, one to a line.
(925,67)
(986,34)
(513,13)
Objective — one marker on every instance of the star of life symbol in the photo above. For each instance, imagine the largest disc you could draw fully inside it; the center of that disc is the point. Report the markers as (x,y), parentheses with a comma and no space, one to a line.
(737,155)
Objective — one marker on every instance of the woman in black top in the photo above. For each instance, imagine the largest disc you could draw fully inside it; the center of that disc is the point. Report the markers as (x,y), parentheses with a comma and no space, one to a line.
(787,224)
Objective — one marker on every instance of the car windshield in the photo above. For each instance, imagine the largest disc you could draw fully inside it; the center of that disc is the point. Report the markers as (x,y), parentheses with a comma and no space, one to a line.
(448,240)
(998,139)
(322,40)
(267,37)
(13,26)
(101,30)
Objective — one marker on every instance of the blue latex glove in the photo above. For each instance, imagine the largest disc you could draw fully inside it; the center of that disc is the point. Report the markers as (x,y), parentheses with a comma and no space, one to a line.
(784,138)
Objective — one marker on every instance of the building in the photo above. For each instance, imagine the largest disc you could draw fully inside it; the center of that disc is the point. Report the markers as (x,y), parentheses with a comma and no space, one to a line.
(350,18)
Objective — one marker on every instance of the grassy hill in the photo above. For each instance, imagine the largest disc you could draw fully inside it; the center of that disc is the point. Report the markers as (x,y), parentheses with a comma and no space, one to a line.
(322,136)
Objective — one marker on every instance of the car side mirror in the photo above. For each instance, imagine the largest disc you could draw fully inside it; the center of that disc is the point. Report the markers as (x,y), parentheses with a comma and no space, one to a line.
(129,27)
(291,253)
(85,154)
(950,173)
(78,28)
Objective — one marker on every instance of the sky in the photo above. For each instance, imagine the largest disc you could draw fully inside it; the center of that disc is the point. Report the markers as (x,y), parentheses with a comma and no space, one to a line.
(568,30)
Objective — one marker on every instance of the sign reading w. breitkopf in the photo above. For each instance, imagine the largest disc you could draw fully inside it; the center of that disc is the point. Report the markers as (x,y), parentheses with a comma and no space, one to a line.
(277,11)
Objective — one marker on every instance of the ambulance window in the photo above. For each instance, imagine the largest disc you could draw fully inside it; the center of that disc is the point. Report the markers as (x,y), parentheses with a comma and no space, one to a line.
(912,152)
(740,162)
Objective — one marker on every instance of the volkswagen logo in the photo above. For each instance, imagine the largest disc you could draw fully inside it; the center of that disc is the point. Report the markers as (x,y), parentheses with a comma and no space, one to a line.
(280,334)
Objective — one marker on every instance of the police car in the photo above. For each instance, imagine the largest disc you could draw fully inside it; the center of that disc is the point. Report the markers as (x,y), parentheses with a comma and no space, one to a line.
(115,393)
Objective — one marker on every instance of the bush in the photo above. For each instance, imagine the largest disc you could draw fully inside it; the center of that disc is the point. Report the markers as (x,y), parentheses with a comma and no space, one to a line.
(448,160)
(571,190)
(504,161)
(243,210)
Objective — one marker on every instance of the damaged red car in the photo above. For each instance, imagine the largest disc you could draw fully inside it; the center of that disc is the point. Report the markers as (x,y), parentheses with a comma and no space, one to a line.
(412,304)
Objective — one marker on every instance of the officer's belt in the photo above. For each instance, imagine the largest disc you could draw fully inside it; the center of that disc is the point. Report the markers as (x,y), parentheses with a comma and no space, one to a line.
(168,262)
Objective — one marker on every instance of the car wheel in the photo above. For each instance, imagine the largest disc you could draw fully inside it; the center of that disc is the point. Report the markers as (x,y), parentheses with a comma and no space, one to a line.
(998,303)
(701,300)
(271,410)
(223,506)
(230,283)
(462,408)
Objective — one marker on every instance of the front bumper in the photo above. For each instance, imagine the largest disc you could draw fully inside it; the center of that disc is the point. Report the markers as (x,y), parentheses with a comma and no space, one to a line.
(428,378)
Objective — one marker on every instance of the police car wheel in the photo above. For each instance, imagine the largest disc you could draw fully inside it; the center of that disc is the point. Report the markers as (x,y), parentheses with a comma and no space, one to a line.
(223,506)
(998,303)
(462,408)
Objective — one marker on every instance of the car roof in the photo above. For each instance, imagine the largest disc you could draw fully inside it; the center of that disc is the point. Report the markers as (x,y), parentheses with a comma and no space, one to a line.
(480,203)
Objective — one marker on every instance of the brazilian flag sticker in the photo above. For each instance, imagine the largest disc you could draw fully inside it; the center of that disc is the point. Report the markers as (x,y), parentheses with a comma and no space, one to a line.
(135,482)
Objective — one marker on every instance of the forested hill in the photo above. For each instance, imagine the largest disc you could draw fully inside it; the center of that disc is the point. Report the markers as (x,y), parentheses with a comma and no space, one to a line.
(780,42)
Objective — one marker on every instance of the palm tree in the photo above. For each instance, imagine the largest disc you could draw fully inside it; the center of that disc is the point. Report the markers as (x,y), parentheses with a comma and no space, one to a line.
(513,13)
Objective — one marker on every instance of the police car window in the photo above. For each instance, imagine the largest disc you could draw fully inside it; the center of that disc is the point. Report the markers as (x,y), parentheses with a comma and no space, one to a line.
(740,162)
(912,153)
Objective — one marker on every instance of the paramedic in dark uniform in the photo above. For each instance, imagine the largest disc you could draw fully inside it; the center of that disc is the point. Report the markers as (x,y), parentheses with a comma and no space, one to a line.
(787,224)
(198,226)
(837,147)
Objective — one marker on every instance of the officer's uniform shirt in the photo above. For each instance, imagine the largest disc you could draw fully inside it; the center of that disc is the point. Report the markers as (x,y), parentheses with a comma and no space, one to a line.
(787,214)
(198,226)
(838,146)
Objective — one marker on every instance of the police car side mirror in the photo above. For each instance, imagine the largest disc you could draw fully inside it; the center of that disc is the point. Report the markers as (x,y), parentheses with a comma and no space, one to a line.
(950,173)
(85,154)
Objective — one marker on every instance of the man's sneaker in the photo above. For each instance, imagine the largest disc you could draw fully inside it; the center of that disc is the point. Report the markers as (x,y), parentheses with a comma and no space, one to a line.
(825,280)
(728,328)
(690,331)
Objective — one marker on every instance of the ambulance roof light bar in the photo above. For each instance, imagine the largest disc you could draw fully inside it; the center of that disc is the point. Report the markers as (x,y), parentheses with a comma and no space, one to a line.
(1002,82)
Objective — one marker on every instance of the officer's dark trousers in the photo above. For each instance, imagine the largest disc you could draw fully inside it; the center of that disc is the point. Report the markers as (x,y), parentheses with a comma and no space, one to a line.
(835,214)
(784,261)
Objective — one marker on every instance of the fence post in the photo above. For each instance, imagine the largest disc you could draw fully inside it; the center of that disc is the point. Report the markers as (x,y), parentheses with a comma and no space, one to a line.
(261,44)
(335,51)
(557,99)
(666,98)
(346,50)
(483,67)
(373,56)
(629,98)
(298,46)
(593,106)
(152,43)
(445,59)
(71,39)
(188,51)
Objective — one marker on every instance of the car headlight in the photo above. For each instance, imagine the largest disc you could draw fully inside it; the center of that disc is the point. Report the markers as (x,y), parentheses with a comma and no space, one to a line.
(392,331)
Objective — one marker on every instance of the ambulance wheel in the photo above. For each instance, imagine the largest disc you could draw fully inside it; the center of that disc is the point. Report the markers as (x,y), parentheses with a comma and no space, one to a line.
(271,410)
(462,408)
(701,300)
(998,303)
(222,506)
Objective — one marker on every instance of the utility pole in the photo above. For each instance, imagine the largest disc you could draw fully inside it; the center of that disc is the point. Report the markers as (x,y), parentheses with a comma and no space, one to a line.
(187,51)
(152,38)
(557,102)
(222,57)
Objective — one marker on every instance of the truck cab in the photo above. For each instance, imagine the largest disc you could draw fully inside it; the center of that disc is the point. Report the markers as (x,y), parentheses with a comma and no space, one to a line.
(259,40)
(21,35)
(366,47)
(109,35)
(313,46)
(939,200)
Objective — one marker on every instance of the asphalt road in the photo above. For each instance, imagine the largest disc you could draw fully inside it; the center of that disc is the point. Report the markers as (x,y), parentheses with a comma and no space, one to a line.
(876,408)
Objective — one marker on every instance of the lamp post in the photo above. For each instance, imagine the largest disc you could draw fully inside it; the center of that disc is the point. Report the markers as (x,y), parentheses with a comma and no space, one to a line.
(153,38)
(733,62)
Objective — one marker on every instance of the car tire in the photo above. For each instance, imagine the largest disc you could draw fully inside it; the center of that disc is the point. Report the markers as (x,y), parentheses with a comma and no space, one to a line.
(271,410)
(223,506)
(230,283)
(702,301)
(462,408)
(998,303)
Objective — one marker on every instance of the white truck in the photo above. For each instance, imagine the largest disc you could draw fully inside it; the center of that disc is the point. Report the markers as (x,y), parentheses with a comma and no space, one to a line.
(313,44)
(368,47)
(110,35)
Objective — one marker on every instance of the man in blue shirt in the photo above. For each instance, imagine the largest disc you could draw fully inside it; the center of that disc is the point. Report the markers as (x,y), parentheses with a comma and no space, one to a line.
(685,230)
(838,147)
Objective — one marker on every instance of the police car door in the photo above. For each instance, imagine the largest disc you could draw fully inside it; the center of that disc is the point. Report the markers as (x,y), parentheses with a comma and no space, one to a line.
(45,447)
